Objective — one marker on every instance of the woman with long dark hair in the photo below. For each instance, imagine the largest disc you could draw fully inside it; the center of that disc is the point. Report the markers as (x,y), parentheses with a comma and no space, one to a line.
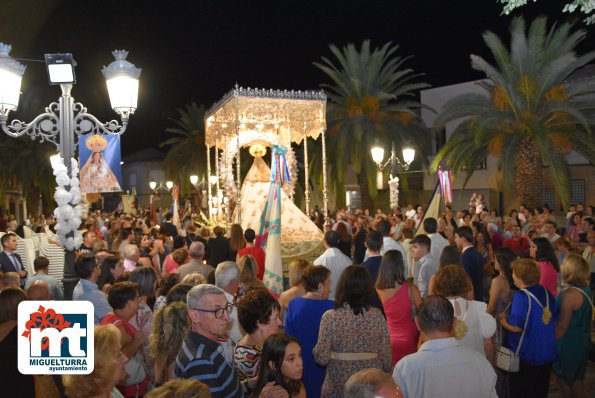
(281,373)
(354,335)
(543,253)
(501,292)
(112,268)
(399,299)
(303,322)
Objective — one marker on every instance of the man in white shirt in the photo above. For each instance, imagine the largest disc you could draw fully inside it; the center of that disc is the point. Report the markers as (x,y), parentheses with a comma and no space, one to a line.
(441,367)
(333,259)
(388,243)
(425,265)
(438,241)
(410,213)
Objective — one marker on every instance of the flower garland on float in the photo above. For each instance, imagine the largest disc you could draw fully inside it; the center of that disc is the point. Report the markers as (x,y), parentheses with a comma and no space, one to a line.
(68,197)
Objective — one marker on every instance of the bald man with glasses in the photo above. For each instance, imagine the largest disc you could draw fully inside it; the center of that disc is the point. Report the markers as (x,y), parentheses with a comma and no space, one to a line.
(203,355)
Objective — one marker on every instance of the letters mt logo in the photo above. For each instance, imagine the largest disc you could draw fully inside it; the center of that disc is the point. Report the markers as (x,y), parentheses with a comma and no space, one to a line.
(56,337)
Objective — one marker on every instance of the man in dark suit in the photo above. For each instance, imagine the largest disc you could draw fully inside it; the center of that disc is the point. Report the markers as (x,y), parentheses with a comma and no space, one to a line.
(373,243)
(471,259)
(9,260)
(167,227)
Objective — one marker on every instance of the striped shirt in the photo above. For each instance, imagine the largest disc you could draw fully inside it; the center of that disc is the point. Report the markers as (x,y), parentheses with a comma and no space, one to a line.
(203,359)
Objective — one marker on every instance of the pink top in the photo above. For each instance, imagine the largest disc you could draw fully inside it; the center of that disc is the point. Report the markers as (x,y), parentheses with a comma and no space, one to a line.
(401,327)
(548,277)
(170,264)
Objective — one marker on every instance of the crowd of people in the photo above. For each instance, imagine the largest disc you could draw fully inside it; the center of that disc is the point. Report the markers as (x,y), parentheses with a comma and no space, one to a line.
(397,305)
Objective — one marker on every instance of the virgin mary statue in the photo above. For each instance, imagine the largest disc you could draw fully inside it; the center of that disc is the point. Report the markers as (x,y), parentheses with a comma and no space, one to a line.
(300,237)
(96,175)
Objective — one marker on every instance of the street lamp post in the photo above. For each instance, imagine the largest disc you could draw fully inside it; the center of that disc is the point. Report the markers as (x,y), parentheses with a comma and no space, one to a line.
(396,166)
(65,118)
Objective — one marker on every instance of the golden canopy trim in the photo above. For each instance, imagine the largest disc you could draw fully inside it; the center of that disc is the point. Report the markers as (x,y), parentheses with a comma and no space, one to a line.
(292,115)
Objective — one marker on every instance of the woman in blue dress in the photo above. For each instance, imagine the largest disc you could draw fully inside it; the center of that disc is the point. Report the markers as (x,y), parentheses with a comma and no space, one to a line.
(302,321)
(533,315)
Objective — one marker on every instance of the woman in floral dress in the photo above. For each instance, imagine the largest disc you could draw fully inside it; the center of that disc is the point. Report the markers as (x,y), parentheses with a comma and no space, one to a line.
(353,336)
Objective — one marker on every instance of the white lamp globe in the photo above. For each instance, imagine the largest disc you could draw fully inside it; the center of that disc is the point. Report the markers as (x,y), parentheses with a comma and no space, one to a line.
(122,77)
(11,74)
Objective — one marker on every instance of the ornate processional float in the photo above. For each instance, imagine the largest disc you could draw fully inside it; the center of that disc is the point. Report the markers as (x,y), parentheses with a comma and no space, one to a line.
(259,119)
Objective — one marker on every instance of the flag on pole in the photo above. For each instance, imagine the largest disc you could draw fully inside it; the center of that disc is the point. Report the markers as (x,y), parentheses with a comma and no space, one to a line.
(175,193)
(270,222)
(445,178)
(153,213)
(431,210)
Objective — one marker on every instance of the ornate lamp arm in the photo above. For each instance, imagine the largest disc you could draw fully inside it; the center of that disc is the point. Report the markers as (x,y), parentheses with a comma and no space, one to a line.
(85,123)
(45,127)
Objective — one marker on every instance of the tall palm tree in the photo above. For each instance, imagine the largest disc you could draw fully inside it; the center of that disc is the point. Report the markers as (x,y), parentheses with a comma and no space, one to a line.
(531,116)
(370,99)
(186,154)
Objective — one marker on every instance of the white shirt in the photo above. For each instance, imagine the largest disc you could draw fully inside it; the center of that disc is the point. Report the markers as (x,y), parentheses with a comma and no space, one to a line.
(425,268)
(234,332)
(442,368)
(410,213)
(389,243)
(336,261)
(438,243)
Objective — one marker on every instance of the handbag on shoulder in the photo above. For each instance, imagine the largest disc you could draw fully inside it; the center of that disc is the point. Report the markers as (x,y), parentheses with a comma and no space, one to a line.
(509,360)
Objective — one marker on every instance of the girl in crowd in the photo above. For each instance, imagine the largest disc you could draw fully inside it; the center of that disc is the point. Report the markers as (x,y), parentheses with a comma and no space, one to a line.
(475,327)
(236,241)
(572,232)
(281,373)
(112,269)
(573,328)
(303,322)
(146,280)
(401,301)
(296,269)
(260,316)
(354,335)
(108,371)
(177,257)
(541,250)
(248,275)
(345,239)
(165,284)
(534,306)
(170,326)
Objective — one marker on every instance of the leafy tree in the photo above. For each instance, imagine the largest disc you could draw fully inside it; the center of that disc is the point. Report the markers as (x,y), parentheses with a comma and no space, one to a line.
(587,7)
(531,116)
(370,100)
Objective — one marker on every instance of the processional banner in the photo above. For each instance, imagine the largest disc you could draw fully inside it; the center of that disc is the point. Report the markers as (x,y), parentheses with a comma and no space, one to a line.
(270,222)
(99,157)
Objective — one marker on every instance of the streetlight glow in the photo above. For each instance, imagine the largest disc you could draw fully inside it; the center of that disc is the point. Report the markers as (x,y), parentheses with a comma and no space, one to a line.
(169,184)
(193,179)
(408,155)
(377,154)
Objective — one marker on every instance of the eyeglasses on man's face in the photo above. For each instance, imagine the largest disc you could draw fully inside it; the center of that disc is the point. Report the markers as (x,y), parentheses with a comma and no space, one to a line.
(218,312)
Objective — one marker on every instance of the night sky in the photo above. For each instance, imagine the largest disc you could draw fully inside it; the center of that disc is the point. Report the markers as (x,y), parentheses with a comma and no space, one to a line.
(195,51)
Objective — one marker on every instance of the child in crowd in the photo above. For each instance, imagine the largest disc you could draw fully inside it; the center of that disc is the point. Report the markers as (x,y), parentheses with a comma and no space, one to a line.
(283,375)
